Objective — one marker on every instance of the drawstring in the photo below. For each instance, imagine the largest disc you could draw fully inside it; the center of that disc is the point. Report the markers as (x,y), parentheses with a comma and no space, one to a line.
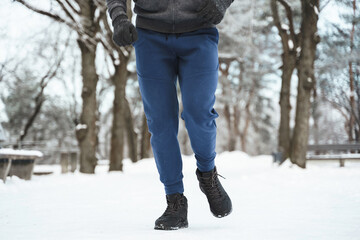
(176,34)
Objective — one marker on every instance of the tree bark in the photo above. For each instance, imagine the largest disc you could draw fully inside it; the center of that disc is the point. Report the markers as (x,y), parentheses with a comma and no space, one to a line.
(351,78)
(306,80)
(87,135)
(131,134)
(244,133)
(227,107)
(289,59)
(315,116)
(284,140)
(118,125)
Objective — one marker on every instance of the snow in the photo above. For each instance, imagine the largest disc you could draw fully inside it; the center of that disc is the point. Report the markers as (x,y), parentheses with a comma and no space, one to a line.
(291,44)
(14,152)
(316,10)
(270,202)
(285,26)
(352,94)
(81,126)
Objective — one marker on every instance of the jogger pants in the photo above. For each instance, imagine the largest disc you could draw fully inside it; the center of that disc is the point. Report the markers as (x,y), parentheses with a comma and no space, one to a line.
(191,58)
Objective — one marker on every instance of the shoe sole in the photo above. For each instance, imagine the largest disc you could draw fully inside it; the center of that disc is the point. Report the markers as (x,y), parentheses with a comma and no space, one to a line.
(181,225)
(221,215)
(214,214)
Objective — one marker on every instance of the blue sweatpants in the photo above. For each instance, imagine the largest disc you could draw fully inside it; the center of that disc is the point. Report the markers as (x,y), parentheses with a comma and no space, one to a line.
(191,58)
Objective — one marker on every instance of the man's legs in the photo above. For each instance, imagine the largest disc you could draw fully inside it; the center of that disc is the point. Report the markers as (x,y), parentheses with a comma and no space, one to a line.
(156,65)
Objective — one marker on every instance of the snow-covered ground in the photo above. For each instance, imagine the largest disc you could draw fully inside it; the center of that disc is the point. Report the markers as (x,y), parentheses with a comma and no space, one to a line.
(321,202)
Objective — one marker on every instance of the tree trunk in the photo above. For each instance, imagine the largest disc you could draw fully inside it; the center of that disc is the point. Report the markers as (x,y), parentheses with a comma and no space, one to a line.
(316,115)
(244,133)
(86,134)
(290,43)
(289,63)
(118,126)
(351,79)
(306,80)
(131,134)
(232,137)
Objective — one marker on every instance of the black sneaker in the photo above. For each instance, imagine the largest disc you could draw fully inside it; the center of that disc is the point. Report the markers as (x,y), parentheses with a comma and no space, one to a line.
(219,201)
(175,215)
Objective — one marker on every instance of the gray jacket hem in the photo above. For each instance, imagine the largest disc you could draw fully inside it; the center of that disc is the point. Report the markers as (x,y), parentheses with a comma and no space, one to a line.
(164,27)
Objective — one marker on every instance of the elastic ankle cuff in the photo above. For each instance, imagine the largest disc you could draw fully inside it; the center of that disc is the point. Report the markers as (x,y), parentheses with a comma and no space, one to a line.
(205,168)
(174,188)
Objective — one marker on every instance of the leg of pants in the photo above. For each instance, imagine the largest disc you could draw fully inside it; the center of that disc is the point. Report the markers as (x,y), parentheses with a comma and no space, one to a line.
(198,78)
(192,57)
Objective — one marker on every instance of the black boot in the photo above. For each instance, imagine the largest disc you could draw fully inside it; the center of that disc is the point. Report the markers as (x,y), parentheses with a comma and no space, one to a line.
(175,215)
(219,201)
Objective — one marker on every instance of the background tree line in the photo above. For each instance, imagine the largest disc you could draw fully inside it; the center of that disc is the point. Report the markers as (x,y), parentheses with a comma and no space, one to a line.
(270,51)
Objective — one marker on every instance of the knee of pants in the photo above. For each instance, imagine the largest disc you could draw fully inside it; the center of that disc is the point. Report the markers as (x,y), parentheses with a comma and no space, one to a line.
(159,127)
(197,115)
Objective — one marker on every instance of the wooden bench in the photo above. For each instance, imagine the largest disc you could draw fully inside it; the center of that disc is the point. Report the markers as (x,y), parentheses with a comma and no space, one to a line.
(18,163)
(339,152)
(5,164)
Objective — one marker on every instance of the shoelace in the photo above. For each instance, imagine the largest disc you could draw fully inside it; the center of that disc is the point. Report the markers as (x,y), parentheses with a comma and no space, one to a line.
(172,207)
(213,188)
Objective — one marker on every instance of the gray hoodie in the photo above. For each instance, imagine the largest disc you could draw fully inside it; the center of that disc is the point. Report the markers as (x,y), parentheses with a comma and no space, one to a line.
(167,16)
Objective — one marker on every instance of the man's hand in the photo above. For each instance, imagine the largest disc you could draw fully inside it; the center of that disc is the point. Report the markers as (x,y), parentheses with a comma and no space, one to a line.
(124,31)
(213,11)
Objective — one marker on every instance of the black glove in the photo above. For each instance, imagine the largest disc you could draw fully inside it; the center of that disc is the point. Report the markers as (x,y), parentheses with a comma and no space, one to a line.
(124,31)
(213,11)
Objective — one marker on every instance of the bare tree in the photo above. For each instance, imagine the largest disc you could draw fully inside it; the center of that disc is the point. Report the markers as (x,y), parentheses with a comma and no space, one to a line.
(22,74)
(290,42)
(122,116)
(339,72)
(299,51)
(309,41)
(351,79)
(83,17)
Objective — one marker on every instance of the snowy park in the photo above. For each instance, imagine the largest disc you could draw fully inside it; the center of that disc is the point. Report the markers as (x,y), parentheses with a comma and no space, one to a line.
(181,119)
(270,202)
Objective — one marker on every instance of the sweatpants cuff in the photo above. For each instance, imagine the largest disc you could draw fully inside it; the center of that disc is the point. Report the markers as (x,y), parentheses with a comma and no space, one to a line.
(174,188)
(205,166)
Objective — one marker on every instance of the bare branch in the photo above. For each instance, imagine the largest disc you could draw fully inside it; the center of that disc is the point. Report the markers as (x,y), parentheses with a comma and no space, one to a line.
(282,32)
(66,10)
(289,17)
(72,7)
(87,38)
(42,12)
